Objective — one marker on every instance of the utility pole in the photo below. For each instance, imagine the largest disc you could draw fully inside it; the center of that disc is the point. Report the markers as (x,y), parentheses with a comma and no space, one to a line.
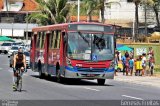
(133,32)
(7,5)
(27,28)
(78,10)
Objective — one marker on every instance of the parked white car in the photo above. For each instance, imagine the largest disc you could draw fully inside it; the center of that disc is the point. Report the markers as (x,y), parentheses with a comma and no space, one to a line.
(13,49)
(5,47)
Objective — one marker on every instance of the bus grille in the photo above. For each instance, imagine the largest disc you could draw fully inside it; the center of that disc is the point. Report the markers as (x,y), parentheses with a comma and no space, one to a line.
(90,70)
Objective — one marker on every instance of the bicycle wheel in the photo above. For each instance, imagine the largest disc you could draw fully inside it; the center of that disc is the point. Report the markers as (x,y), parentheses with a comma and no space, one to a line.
(19,81)
(20,84)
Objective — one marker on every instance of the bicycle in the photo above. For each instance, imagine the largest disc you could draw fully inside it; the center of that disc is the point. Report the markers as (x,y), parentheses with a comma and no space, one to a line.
(19,80)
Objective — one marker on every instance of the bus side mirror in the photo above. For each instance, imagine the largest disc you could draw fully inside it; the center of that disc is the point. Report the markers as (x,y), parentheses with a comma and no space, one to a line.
(64,37)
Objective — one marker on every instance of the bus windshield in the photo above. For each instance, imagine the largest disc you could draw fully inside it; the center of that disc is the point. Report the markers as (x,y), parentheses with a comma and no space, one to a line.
(89,46)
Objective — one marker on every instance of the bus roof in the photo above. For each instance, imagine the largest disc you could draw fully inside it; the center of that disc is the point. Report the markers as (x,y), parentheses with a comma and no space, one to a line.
(64,26)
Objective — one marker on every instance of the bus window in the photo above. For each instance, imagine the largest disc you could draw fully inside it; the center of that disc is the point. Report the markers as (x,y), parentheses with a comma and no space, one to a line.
(51,39)
(38,40)
(42,39)
(57,40)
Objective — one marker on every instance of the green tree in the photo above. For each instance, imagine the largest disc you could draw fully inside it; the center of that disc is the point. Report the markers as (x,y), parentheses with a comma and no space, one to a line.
(90,6)
(137,3)
(99,5)
(155,4)
(50,12)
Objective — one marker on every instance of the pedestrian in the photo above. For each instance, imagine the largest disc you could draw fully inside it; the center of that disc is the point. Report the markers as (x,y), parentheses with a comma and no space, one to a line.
(144,61)
(116,64)
(119,56)
(151,65)
(150,53)
(126,54)
(131,54)
(131,64)
(127,66)
(139,66)
(124,63)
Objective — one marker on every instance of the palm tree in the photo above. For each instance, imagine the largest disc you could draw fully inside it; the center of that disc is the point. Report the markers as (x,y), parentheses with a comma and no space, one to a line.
(50,12)
(136,2)
(155,4)
(90,6)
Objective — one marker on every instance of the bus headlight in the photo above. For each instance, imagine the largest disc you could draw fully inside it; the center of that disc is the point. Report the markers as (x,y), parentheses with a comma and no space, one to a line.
(111,64)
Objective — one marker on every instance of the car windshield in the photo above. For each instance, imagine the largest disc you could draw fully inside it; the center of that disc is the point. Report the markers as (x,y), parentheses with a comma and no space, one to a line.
(17,43)
(27,53)
(92,47)
(6,44)
(14,48)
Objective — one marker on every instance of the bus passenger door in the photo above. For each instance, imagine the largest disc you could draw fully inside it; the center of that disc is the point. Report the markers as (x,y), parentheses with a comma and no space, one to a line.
(63,51)
(46,48)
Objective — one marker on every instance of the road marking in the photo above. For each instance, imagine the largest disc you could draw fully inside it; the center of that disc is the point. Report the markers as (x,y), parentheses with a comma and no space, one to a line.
(91,89)
(132,97)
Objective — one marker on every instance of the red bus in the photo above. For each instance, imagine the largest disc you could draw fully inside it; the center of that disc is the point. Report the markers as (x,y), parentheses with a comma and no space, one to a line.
(81,50)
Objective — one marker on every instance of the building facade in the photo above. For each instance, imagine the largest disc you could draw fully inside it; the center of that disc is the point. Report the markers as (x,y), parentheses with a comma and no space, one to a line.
(13,18)
(123,14)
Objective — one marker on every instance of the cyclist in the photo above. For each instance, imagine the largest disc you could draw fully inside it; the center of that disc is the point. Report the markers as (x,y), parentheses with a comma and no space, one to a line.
(18,62)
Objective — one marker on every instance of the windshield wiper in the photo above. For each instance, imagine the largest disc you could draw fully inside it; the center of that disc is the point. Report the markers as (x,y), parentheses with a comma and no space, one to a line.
(83,37)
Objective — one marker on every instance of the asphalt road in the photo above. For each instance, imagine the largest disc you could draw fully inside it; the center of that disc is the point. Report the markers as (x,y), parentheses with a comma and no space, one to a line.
(35,88)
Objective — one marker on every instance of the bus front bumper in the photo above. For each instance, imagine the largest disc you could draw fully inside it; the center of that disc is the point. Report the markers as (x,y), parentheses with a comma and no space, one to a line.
(109,74)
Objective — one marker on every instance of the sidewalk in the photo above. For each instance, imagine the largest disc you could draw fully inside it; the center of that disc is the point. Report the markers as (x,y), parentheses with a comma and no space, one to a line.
(141,80)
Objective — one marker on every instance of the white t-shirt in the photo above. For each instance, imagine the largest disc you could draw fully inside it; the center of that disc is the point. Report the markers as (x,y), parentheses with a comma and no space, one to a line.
(144,61)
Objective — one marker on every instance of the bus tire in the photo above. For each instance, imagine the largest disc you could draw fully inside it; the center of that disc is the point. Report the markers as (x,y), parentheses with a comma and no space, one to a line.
(101,81)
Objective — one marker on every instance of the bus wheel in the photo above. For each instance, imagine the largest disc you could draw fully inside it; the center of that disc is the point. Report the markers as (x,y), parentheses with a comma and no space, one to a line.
(101,81)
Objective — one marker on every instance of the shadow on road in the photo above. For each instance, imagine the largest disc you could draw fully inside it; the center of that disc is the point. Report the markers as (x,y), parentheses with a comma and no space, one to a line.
(21,91)
(75,82)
